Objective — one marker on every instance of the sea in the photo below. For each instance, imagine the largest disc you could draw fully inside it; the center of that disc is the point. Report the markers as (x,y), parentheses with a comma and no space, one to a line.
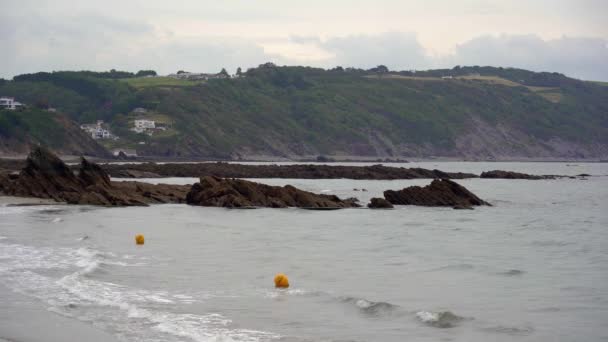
(532,267)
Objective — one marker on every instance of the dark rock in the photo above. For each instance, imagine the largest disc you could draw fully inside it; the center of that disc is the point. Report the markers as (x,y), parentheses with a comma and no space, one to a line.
(231,170)
(442,192)
(584,175)
(379,203)
(237,193)
(512,175)
(46,176)
(462,207)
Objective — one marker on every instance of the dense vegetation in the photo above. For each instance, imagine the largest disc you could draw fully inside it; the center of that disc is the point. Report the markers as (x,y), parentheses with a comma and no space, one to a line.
(296,111)
(23,128)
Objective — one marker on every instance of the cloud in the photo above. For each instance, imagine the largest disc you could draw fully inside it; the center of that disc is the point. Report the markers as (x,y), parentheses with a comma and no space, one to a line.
(393,49)
(579,57)
(94,41)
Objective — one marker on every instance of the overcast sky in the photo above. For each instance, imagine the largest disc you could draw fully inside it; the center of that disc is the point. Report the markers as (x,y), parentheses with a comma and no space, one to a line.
(568,36)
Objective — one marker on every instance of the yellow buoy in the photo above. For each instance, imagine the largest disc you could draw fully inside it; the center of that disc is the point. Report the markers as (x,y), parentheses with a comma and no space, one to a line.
(139,239)
(281,281)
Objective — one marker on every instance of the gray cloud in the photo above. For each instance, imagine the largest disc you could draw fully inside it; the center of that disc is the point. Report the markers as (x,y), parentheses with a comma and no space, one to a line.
(94,41)
(579,57)
(574,56)
(393,49)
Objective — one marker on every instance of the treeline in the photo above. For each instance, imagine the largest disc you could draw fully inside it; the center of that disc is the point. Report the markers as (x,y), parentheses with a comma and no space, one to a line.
(112,74)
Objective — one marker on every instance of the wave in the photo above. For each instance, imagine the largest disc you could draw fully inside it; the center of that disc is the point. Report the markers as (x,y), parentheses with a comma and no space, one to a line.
(370,307)
(513,272)
(440,319)
(133,314)
(513,331)
(457,267)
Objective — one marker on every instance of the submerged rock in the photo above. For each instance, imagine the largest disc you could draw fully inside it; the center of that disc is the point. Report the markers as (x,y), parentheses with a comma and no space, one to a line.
(238,193)
(47,176)
(379,203)
(441,192)
(512,175)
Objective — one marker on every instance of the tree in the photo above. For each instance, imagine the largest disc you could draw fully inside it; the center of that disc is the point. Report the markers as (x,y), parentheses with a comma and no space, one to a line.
(143,73)
(380,69)
(239,72)
(224,74)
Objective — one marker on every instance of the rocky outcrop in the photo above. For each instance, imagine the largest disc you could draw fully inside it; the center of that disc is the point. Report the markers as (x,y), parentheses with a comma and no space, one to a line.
(301,171)
(512,175)
(379,203)
(238,193)
(441,192)
(46,176)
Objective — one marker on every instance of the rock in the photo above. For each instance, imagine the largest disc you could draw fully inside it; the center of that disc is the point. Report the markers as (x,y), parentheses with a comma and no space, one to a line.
(441,192)
(238,193)
(46,176)
(379,203)
(512,175)
(233,170)
(462,207)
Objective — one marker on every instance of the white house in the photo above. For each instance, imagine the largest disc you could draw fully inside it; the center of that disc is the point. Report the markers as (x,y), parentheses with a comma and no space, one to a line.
(9,103)
(145,124)
(140,110)
(96,130)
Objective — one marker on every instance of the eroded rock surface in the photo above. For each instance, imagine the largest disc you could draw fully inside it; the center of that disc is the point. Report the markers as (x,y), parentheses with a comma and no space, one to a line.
(47,176)
(238,193)
(441,192)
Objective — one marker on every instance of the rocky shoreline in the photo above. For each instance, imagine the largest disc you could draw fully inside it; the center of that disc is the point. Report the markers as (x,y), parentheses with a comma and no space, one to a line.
(300,171)
(45,176)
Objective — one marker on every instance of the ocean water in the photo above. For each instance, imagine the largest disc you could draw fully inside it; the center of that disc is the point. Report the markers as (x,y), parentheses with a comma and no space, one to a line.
(534,267)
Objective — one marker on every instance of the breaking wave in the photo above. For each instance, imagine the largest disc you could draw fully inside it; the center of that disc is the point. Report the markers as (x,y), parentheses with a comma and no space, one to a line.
(131,313)
(440,319)
(370,307)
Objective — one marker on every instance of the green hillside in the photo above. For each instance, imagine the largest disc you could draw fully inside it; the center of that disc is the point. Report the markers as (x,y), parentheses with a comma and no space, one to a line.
(472,112)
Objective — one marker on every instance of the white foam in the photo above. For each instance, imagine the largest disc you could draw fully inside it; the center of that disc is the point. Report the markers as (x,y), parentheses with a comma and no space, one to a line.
(134,314)
(427,316)
(57,220)
(363,304)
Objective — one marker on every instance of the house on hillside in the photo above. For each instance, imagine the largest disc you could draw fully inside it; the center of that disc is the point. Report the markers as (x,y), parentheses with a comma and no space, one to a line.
(9,103)
(96,130)
(140,110)
(143,125)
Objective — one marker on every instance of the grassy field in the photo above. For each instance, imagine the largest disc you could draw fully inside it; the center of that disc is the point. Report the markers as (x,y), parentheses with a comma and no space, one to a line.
(161,81)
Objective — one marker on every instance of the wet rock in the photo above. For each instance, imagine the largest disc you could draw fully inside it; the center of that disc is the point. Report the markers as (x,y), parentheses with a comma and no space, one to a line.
(462,207)
(512,175)
(441,192)
(230,170)
(379,203)
(238,193)
(47,176)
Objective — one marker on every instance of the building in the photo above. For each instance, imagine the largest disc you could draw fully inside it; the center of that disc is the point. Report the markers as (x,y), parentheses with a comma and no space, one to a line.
(96,130)
(9,103)
(140,110)
(144,124)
